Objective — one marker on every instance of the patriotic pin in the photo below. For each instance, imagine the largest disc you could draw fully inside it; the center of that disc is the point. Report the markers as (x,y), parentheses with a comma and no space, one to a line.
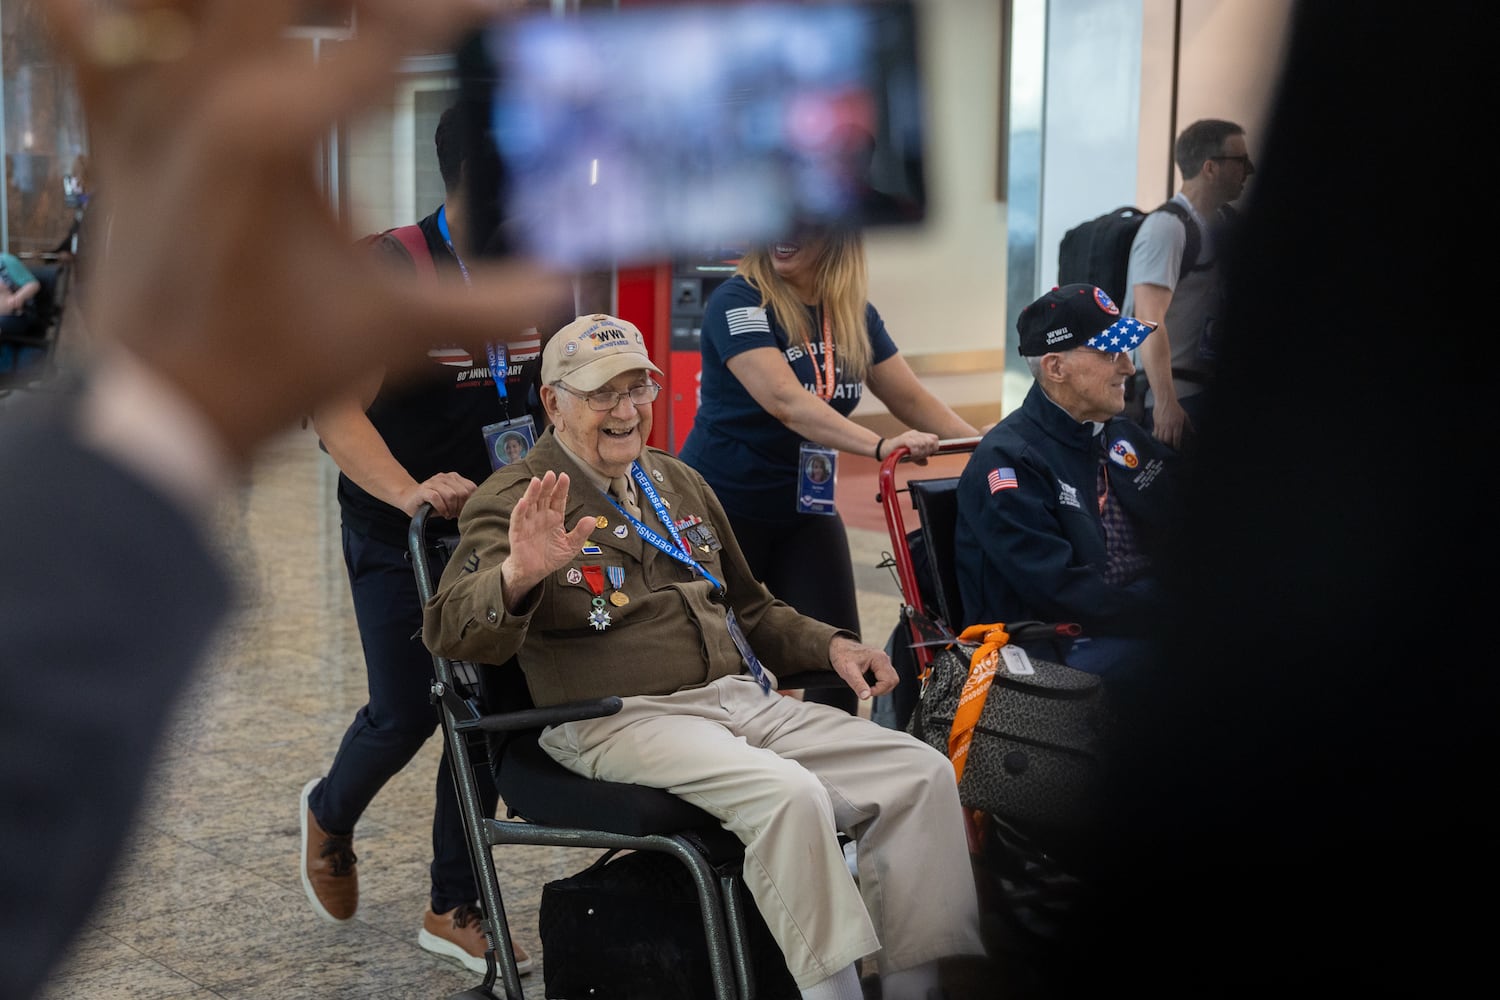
(574,577)
(621,531)
(601,522)
(1122,452)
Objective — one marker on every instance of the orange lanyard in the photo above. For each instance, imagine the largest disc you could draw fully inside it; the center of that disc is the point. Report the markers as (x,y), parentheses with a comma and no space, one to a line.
(822,381)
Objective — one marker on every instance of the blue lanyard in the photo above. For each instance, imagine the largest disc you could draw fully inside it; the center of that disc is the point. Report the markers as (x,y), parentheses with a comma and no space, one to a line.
(442,223)
(680,551)
(499,363)
(499,368)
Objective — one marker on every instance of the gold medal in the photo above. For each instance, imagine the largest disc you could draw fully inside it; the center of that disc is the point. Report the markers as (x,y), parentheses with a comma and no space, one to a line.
(619,599)
(601,522)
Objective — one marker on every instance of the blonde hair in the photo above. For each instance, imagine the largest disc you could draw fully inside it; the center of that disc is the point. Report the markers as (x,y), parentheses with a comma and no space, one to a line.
(843,290)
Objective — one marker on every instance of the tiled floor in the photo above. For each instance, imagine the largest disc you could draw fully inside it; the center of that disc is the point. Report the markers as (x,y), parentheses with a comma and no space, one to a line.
(208,903)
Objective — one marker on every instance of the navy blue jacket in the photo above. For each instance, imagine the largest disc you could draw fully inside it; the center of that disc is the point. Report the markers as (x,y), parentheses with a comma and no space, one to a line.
(1035,549)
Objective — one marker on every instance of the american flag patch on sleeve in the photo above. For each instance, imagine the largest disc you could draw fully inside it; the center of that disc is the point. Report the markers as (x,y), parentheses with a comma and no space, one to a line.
(1002,479)
(751,319)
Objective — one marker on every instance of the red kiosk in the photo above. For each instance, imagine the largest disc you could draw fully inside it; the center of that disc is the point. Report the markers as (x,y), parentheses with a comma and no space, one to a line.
(666,302)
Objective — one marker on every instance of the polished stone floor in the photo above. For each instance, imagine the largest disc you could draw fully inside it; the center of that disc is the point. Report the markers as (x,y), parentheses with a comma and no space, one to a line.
(208,902)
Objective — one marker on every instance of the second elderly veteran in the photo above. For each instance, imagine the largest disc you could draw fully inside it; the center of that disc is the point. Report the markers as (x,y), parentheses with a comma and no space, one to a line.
(644,605)
(1063,502)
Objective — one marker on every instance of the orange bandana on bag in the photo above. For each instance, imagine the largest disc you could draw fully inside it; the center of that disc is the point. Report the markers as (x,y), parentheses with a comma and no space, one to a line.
(971,703)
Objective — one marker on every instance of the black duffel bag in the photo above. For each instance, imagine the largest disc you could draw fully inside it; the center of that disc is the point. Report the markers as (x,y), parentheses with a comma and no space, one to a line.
(629,928)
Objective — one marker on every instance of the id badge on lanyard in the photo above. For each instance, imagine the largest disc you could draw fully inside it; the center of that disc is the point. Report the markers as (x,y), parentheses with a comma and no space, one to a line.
(506,441)
(817,466)
(817,471)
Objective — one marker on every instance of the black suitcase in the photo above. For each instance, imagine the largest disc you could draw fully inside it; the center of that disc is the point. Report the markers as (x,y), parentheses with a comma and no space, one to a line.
(628,928)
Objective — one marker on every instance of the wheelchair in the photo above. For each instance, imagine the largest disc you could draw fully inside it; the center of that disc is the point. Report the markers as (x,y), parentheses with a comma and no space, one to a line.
(488,720)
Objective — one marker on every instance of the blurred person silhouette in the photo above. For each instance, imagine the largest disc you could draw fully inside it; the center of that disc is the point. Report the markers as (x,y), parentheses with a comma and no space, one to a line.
(1298,802)
(790,344)
(399,445)
(21,287)
(1186,309)
(21,325)
(102,625)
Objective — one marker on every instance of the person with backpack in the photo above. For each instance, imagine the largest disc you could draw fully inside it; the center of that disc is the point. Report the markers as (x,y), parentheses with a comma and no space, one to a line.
(1185,303)
(397,447)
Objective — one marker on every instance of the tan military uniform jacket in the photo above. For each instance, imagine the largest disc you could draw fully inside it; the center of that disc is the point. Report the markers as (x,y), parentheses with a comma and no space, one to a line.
(671,632)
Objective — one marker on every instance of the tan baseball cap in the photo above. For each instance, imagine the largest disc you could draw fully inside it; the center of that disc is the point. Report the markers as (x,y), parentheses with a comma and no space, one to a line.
(591,350)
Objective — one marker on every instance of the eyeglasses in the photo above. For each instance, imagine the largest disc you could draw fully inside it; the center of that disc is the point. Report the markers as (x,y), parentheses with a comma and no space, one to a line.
(607,399)
(1243,160)
(1113,357)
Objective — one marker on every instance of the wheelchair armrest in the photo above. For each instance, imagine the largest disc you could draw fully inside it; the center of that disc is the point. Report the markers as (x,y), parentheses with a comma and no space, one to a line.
(536,718)
(811,679)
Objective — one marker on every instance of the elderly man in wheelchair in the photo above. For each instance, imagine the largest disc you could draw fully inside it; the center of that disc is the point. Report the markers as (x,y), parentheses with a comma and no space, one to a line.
(610,569)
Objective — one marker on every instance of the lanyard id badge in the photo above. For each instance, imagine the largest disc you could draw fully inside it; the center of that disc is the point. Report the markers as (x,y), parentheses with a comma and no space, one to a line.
(817,470)
(508,441)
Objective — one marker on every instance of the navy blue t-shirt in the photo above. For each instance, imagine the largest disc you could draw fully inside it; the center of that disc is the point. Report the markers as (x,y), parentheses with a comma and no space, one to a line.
(748,456)
(433,421)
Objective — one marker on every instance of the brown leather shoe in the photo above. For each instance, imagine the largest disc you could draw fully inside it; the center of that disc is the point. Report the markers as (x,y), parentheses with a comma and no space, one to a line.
(329,875)
(459,934)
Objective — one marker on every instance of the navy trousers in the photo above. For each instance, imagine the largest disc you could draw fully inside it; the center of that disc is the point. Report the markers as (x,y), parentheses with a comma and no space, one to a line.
(398,719)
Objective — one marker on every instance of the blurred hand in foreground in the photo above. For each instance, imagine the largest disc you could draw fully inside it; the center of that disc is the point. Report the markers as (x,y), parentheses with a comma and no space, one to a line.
(222,265)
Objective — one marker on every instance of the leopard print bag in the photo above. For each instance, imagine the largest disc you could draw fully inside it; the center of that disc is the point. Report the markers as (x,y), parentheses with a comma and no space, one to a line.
(1033,759)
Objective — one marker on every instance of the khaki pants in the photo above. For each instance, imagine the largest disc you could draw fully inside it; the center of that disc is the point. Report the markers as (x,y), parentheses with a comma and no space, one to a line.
(783,776)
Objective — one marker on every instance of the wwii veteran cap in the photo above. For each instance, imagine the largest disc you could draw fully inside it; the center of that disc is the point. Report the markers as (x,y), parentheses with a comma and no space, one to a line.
(1077,316)
(591,350)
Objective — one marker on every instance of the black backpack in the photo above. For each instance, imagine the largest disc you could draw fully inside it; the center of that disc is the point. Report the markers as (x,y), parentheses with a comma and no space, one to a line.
(1097,252)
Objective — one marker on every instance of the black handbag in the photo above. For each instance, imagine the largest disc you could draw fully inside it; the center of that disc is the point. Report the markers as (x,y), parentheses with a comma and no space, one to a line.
(1034,757)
